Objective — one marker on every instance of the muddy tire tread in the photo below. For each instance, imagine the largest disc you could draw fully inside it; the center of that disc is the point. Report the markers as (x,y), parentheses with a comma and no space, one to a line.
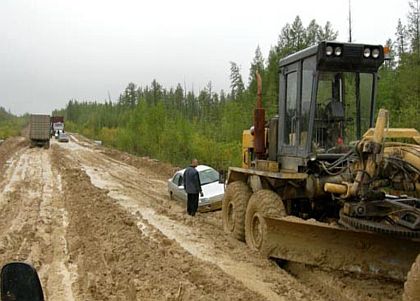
(237,193)
(268,204)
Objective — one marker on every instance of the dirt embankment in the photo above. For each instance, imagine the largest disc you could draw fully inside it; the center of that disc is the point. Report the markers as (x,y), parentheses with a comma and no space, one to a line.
(161,169)
(158,168)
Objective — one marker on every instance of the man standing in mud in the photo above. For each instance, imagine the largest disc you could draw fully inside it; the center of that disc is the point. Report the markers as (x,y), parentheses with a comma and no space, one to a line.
(192,186)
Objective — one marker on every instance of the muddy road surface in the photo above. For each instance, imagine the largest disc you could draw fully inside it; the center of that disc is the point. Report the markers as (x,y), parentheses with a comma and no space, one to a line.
(98,225)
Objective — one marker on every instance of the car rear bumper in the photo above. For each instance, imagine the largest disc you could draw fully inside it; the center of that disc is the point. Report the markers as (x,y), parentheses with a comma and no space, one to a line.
(206,207)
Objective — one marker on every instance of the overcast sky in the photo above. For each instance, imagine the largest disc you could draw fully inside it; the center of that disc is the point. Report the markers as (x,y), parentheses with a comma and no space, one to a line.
(55,50)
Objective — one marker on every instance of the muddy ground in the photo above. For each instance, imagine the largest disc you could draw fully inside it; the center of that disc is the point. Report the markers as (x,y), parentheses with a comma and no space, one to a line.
(98,225)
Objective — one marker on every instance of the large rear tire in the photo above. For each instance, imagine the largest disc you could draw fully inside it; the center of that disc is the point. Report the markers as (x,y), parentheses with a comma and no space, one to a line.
(412,285)
(234,207)
(263,203)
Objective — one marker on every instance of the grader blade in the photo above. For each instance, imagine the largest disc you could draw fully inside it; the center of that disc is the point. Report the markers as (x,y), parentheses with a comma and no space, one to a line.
(327,246)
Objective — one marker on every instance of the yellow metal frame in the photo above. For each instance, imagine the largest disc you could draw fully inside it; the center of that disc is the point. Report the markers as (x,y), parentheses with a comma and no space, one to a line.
(397,133)
(247,148)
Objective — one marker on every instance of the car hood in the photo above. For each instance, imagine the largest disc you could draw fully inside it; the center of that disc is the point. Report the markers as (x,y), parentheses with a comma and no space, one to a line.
(213,189)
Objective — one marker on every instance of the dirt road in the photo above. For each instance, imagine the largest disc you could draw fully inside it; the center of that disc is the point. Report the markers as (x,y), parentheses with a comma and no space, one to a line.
(98,225)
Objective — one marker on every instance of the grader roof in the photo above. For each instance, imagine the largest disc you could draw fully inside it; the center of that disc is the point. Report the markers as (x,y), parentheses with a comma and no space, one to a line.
(349,57)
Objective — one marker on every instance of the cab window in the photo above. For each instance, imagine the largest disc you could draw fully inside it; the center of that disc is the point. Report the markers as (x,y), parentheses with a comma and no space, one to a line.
(291,109)
(308,67)
(343,109)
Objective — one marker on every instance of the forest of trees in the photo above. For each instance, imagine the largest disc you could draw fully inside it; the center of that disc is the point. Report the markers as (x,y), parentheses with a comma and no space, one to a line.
(175,125)
(11,125)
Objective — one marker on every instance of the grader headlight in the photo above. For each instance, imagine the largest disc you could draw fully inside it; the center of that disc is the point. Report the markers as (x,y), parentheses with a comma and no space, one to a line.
(366,52)
(329,50)
(338,51)
(375,53)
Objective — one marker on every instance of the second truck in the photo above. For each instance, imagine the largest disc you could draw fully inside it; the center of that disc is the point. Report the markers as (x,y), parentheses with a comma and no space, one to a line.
(57,125)
(325,182)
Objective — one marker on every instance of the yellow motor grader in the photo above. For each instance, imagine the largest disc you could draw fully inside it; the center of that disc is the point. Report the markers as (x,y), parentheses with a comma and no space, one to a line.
(325,182)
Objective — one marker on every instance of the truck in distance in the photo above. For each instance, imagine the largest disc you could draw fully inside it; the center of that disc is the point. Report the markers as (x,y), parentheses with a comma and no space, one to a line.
(57,125)
(39,131)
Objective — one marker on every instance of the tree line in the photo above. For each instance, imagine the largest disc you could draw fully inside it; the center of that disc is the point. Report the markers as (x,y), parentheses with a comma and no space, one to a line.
(399,84)
(175,125)
(11,125)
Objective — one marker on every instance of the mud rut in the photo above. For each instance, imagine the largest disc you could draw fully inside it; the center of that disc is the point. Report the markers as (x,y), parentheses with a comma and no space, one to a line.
(33,221)
(99,229)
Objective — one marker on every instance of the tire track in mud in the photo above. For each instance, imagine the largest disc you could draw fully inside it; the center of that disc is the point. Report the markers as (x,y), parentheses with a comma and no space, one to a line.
(53,224)
(121,257)
(31,220)
(346,286)
(135,191)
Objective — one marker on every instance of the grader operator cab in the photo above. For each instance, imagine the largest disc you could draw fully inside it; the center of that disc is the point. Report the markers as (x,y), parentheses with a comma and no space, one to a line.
(320,183)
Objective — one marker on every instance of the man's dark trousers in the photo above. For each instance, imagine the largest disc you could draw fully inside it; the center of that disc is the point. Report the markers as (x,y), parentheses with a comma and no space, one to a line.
(192,204)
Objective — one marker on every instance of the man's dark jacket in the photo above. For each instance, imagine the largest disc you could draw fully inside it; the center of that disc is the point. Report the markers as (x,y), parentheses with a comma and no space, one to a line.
(192,180)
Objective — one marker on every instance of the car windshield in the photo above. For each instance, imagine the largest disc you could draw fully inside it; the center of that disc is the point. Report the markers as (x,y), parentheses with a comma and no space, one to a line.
(208,176)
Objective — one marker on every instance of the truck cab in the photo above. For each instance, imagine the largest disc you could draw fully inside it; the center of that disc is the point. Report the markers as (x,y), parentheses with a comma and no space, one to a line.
(326,101)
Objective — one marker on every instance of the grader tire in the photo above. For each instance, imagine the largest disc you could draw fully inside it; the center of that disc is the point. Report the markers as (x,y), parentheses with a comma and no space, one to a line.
(234,207)
(412,285)
(263,203)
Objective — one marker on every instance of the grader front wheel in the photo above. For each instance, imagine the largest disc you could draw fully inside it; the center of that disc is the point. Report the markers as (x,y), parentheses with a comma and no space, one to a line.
(412,285)
(262,203)
(234,207)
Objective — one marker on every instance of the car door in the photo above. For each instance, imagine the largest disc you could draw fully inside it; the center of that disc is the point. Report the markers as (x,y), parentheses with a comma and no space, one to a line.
(176,187)
(173,185)
(181,193)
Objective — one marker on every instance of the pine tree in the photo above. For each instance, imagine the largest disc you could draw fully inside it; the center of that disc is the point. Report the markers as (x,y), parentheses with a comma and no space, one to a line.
(327,33)
(298,34)
(256,65)
(414,25)
(236,82)
(312,33)
(179,97)
(156,92)
(401,36)
(292,37)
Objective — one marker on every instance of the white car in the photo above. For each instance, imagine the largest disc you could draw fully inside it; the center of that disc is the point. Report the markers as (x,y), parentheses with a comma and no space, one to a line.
(63,137)
(213,190)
